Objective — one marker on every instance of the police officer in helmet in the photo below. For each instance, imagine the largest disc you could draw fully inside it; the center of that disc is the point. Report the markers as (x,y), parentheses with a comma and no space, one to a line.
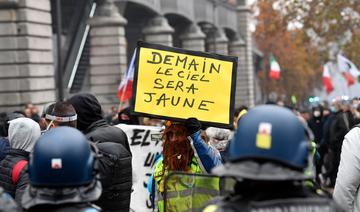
(62,173)
(268,156)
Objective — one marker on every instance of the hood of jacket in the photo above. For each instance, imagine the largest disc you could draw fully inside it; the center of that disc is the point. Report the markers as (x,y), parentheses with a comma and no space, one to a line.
(23,133)
(87,108)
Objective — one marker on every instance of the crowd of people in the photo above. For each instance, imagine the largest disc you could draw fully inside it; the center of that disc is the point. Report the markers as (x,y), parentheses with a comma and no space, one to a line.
(71,157)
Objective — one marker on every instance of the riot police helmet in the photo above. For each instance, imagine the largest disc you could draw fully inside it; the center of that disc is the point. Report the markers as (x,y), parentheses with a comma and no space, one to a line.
(270,143)
(62,169)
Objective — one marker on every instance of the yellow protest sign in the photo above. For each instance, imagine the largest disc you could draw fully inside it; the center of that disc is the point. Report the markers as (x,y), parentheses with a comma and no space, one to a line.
(173,83)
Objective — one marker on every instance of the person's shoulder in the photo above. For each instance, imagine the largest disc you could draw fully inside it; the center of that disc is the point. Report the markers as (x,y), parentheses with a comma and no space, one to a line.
(158,166)
(356,126)
(110,129)
(159,162)
(354,132)
(106,132)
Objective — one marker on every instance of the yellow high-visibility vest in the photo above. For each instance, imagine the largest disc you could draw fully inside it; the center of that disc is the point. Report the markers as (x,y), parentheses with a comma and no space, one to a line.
(185,192)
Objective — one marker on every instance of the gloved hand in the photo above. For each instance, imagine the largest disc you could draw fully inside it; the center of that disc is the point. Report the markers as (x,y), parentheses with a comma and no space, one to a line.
(192,125)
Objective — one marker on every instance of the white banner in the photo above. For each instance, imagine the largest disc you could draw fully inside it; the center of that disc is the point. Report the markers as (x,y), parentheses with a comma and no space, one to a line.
(145,144)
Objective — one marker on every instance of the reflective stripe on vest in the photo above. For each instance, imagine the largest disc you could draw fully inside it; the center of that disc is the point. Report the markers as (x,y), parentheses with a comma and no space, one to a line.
(187,192)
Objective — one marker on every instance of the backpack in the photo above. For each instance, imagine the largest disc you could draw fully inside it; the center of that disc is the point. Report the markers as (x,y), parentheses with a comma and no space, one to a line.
(115,170)
(114,167)
(15,173)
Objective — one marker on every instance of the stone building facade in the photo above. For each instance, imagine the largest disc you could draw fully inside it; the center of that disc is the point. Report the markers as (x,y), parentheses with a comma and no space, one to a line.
(102,49)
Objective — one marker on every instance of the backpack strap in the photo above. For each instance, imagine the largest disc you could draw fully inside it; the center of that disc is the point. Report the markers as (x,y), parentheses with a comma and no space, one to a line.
(15,174)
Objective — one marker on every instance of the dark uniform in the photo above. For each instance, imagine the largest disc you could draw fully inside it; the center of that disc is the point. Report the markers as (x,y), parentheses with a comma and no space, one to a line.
(62,173)
(66,208)
(268,157)
(275,197)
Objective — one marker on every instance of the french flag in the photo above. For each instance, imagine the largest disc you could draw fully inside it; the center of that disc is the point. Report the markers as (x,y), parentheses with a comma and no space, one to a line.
(125,88)
(326,78)
(348,69)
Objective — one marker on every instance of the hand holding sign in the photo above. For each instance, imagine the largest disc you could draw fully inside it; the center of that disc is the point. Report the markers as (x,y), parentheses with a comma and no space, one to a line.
(192,125)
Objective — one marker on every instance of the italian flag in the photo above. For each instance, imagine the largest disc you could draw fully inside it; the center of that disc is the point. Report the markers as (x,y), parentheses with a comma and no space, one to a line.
(327,79)
(274,72)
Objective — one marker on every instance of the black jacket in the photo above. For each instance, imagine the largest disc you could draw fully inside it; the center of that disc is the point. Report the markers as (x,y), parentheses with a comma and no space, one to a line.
(316,125)
(6,167)
(100,131)
(115,164)
(341,125)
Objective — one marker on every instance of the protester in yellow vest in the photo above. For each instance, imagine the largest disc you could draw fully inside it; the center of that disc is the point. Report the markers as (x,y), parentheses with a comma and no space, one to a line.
(184,192)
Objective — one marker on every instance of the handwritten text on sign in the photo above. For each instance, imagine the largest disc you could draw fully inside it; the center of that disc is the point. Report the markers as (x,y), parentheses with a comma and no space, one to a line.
(180,85)
(146,145)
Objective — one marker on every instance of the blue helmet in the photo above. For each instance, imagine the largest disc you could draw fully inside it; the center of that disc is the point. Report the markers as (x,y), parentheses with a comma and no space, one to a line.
(61,157)
(270,143)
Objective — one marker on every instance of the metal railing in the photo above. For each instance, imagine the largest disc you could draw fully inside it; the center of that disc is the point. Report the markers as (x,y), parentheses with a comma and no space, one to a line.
(77,43)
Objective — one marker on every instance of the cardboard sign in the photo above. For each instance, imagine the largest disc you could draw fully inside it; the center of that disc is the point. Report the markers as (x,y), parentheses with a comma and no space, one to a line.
(145,145)
(173,83)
